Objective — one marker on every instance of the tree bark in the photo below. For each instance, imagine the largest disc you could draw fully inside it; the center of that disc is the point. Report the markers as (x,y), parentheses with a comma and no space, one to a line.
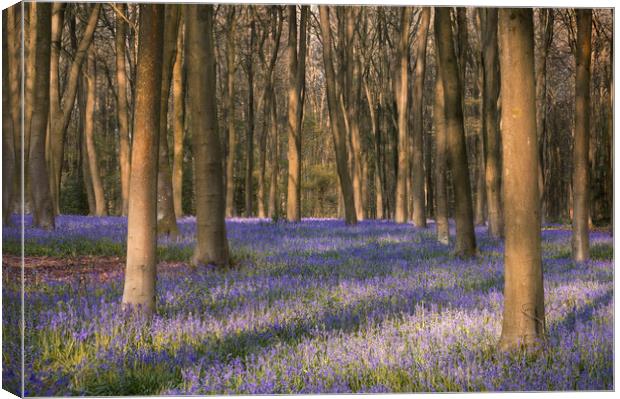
(140,272)
(336,118)
(212,244)
(296,82)
(249,161)
(524,315)
(9,175)
(417,157)
(441,164)
(166,220)
(490,123)
(43,212)
(178,126)
(61,107)
(457,154)
(274,196)
(230,114)
(122,109)
(402,108)
(89,133)
(581,184)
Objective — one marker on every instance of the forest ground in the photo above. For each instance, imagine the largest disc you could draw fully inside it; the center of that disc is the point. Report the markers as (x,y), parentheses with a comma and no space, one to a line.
(311,307)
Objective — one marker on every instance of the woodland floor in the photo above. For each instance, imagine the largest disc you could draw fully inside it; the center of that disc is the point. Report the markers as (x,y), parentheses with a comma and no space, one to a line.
(314,307)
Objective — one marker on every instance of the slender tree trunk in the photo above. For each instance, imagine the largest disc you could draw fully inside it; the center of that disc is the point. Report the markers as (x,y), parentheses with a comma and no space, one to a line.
(43,215)
(524,314)
(377,147)
(457,154)
(336,118)
(441,164)
(480,214)
(581,167)
(274,201)
(249,162)
(9,174)
(402,108)
(140,272)
(178,126)
(297,59)
(122,108)
(230,114)
(89,133)
(490,123)
(61,107)
(166,220)
(212,244)
(417,156)
(86,179)
(14,98)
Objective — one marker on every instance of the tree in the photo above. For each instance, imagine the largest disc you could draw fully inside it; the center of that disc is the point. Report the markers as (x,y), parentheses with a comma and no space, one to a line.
(178,125)
(457,155)
(122,108)
(524,315)
(249,160)
(230,112)
(166,220)
(336,118)
(212,244)
(402,108)
(296,83)
(441,164)
(140,272)
(417,157)
(8,132)
(89,134)
(43,212)
(61,107)
(581,207)
(490,123)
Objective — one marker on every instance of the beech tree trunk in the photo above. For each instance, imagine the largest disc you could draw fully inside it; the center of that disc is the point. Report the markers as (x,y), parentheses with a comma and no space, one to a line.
(441,163)
(417,157)
(402,108)
(230,114)
(178,126)
(166,220)
(9,174)
(490,123)
(336,118)
(43,212)
(297,60)
(140,272)
(89,134)
(249,161)
(581,207)
(212,244)
(14,98)
(457,154)
(122,108)
(524,313)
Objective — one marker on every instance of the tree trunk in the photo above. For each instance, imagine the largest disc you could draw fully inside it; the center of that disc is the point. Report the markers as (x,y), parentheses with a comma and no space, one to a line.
(230,114)
(249,161)
(402,108)
(524,315)
(61,107)
(490,123)
(417,156)
(582,132)
(441,164)
(297,59)
(377,147)
(455,132)
(336,118)
(9,175)
(166,220)
(15,107)
(212,244)
(140,272)
(89,133)
(122,109)
(43,212)
(178,126)
(274,196)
